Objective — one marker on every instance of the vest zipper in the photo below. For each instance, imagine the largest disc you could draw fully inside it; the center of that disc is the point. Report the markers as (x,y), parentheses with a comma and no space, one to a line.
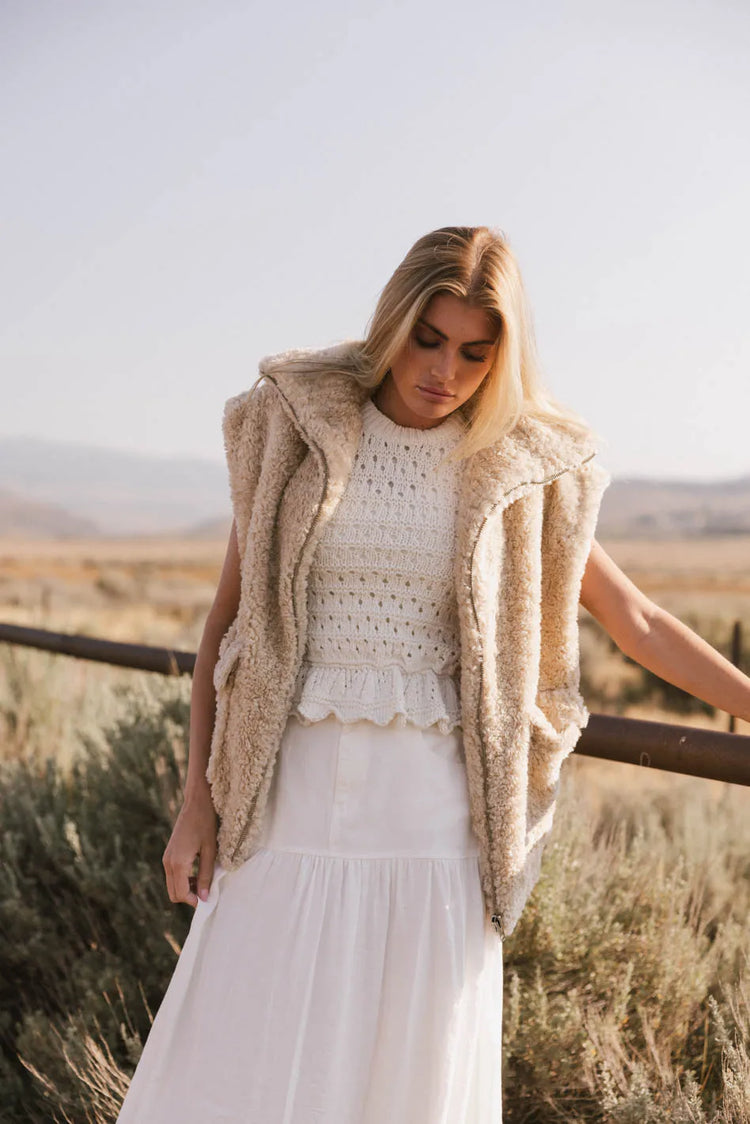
(326,475)
(497,917)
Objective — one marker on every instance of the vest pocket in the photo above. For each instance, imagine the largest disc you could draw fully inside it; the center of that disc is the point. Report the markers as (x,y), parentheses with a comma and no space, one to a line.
(229,653)
(556,726)
(561,711)
(230,650)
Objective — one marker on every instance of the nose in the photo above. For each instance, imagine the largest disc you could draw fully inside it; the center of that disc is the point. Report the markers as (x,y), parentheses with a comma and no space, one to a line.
(442,365)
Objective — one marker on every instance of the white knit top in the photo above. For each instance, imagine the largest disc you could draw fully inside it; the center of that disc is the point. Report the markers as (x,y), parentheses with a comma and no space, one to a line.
(382,640)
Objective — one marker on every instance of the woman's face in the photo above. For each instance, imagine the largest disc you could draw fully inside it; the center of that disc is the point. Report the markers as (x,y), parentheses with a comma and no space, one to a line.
(448,354)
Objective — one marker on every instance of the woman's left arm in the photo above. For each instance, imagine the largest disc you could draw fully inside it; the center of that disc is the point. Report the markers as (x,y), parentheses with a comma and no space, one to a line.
(659,641)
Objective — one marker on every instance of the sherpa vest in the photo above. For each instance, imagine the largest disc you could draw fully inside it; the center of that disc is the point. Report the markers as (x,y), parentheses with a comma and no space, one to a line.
(526,518)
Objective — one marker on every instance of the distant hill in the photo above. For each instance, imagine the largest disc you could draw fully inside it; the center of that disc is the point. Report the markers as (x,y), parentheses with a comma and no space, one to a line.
(55,489)
(117,492)
(211,529)
(658,509)
(24,518)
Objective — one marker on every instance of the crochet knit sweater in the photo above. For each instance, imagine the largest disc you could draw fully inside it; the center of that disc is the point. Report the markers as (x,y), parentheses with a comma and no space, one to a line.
(382,641)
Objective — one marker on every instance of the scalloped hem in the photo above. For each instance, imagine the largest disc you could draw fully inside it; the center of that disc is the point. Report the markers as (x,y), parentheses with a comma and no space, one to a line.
(385,696)
(397,720)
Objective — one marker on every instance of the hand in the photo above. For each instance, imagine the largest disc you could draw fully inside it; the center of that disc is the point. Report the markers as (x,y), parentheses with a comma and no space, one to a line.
(194,833)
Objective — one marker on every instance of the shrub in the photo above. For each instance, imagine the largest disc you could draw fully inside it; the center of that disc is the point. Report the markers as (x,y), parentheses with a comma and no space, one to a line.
(626,981)
(88,937)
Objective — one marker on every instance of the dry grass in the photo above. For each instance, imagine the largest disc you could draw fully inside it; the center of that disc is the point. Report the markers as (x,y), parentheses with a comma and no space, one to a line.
(147,591)
(133,585)
(707,577)
(155,591)
(628,984)
(158,591)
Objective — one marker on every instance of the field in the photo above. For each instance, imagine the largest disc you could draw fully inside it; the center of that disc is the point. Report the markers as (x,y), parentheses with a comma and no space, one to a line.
(167,584)
(627,992)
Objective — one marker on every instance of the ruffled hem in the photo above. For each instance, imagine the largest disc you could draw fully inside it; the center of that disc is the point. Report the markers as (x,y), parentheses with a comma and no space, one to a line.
(383,695)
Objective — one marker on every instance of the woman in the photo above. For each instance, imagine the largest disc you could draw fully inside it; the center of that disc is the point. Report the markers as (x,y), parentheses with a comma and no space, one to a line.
(387,684)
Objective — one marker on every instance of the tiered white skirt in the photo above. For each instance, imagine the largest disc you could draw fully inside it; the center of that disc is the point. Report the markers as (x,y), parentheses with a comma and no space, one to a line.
(347,972)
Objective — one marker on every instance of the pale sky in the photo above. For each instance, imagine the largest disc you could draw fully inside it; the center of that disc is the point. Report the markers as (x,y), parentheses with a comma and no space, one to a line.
(187,187)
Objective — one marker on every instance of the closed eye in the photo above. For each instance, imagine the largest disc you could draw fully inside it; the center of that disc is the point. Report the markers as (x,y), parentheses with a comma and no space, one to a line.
(430,345)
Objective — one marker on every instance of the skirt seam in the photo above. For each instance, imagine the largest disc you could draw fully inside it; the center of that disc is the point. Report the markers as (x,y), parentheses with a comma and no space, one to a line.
(366,857)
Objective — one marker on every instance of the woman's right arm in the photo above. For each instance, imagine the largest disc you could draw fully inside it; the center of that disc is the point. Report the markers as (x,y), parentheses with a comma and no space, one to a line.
(194,832)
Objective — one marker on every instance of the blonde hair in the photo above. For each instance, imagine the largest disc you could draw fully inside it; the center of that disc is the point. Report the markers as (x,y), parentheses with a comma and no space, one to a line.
(476,264)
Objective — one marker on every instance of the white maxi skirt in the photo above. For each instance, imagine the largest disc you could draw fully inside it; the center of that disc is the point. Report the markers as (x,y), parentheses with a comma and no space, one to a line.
(346,973)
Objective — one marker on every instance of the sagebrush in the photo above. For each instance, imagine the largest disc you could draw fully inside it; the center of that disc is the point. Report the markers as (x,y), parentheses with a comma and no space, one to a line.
(626,981)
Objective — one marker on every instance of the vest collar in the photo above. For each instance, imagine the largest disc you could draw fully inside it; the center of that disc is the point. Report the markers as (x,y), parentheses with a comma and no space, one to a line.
(327,409)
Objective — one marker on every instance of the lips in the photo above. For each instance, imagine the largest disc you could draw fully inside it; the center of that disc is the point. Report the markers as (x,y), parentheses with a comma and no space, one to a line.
(436,391)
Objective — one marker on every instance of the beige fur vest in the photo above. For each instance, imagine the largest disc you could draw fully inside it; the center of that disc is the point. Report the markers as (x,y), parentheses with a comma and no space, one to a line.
(527,513)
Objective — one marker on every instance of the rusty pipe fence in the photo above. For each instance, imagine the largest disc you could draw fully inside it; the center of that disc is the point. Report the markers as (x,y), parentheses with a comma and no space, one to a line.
(710,754)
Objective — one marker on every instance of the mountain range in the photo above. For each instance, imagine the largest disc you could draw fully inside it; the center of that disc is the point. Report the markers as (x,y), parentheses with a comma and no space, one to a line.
(53,489)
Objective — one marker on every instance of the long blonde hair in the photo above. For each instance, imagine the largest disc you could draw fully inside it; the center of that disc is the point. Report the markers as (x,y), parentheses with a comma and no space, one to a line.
(476,264)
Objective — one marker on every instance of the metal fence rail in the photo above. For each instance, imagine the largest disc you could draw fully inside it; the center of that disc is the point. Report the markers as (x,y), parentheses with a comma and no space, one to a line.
(691,750)
(141,657)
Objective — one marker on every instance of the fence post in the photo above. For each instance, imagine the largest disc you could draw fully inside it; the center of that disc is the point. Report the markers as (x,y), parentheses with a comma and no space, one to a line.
(736,658)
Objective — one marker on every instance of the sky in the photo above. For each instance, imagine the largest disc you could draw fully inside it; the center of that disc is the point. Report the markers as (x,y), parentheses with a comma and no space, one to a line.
(188,187)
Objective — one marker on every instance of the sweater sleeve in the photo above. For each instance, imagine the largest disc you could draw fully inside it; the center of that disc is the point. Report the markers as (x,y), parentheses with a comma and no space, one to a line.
(244,429)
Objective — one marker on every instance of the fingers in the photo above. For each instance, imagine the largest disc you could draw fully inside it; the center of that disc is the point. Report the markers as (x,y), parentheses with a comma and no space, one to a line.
(182,884)
(194,835)
(206,869)
(166,863)
(178,879)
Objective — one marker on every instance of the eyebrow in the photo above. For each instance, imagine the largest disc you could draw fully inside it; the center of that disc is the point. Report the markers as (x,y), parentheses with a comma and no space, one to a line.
(469,343)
